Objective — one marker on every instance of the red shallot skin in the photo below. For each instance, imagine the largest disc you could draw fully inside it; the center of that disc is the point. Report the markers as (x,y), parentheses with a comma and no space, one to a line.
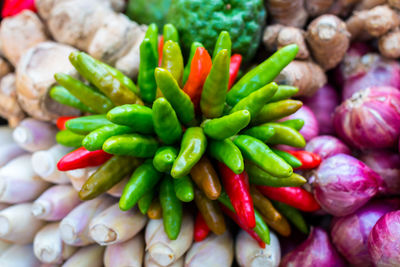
(370,119)
(342,184)
(326,146)
(350,233)
(311,127)
(316,250)
(323,104)
(383,241)
(387,165)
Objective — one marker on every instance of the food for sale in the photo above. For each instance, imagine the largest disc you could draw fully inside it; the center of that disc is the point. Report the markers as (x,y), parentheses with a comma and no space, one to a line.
(90,255)
(326,146)
(148,12)
(128,253)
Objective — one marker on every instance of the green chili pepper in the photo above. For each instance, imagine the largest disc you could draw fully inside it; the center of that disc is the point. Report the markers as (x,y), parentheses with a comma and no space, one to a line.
(69,139)
(259,177)
(228,153)
(100,76)
(184,189)
(259,153)
(152,36)
(296,124)
(262,74)
(133,144)
(289,158)
(170,33)
(171,208)
(164,158)
(285,135)
(95,139)
(145,201)
(166,123)
(226,126)
(223,42)
(277,110)
(87,95)
(122,78)
(178,99)
(148,64)
(143,179)
(216,86)
(193,146)
(63,96)
(255,101)
(263,133)
(87,124)
(138,117)
(172,60)
(284,92)
(108,175)
(186,71)
(261,228)
(293,215)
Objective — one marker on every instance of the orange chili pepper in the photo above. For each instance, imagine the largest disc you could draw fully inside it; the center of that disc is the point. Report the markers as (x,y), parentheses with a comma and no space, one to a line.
(160,49)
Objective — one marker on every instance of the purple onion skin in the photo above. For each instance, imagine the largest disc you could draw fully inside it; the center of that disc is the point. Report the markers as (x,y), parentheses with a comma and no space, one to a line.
(316,250)
(370,119)
(323,104)
(350,233)
(383,241)
(311,127)
(342,184)
(387,165)
(326,146)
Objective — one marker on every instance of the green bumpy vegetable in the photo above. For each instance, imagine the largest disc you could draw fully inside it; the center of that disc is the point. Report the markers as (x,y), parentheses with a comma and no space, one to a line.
(197,20)
(148,11)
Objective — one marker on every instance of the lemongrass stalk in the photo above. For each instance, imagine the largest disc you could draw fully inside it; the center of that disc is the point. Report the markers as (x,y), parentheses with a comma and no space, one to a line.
(74,228)
(215,250)
(18,182)
(55,203)
(48,246)
(116,190)
(128,253)
(3,206)
(6,135)
(249,253)
(163,250)
(19,256)
(4,245)
(44,164)
(18,225)
(9,152)
(34,135)
(79,176)
(115,226)
(149,262)
(87,256)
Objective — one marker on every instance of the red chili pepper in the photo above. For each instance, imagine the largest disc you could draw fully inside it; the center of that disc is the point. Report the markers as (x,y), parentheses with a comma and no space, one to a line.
(82,158)
(13,7)
(160,50)
(201,229)
(236,61)
(199,70)
(62,120)
(250,231)
(238,189)
(296,197)
(308,159)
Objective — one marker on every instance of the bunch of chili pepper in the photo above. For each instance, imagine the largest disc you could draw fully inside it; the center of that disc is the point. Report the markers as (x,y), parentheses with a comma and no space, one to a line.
(190,133)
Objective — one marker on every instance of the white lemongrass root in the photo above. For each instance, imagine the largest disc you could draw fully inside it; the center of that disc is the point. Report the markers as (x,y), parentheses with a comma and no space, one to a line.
(10,108)
(149,262)
(116,190)
(248,252)
(129,253)
(18,181)
(163,250)
(19,33)
(305,75)
(79,176)
(4,245)
(74,228)
(9,152)
(48,246)
(55,203)
(214,250)
(34,135)
(6,135)
(35,76)
(5,68)
(87,256)
(44,163)
(19,256)
(115,226)
(17,225)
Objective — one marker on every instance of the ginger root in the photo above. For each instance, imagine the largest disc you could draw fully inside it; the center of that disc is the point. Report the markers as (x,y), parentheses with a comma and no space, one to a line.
(368,4)
(394,3)
(288,12)
(305,75)
(328,39)
(10,108)
(5,68)
(389,44)
(318,7)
